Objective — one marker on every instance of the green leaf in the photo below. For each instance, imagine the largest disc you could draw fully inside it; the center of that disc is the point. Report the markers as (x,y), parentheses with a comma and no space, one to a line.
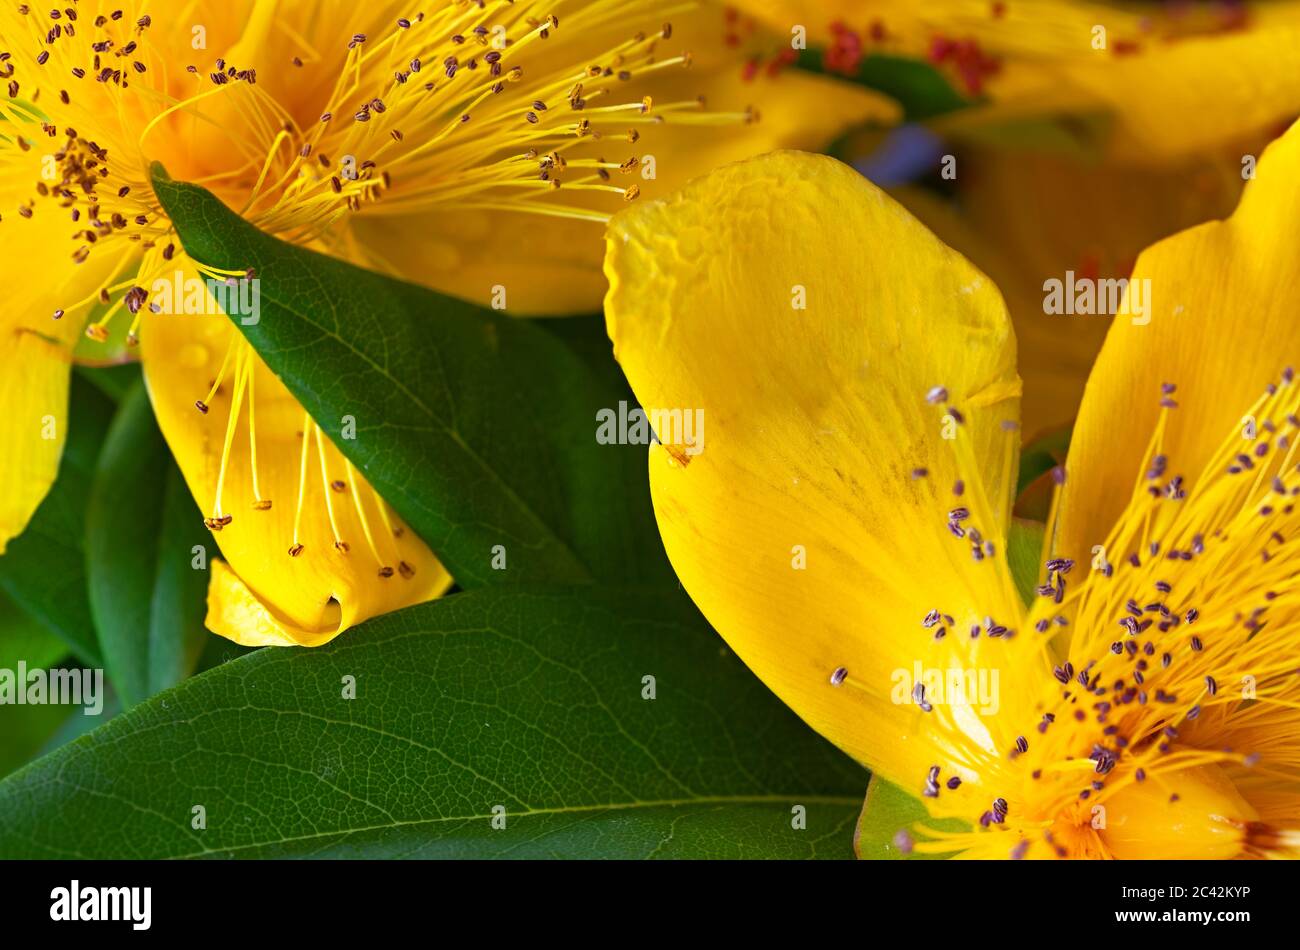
(1024,555)
(479,429)
(44,569)
(531,700)
(115,381)
(922,91)
(22,637)
(141,527)
(78,724)
(23,729)
(887,811)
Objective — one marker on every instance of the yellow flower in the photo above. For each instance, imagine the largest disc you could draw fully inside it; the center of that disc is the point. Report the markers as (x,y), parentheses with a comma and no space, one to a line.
(1148,67)
(846,526)
(464,147)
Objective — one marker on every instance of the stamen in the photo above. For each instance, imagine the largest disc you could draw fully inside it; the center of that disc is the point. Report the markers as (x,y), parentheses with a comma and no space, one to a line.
(296,548)
(259,503)
(242,360)
(384,569)
(339,543)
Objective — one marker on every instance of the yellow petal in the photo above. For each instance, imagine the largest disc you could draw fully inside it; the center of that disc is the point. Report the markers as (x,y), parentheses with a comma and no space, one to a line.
(238,614)
(33,422)
(792,514)
(35,350)
(318,593)
(1222,326)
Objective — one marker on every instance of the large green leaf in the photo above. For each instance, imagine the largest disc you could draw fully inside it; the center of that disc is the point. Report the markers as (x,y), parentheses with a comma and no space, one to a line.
(142,526)
(43,570)
(478,428)
(530,700)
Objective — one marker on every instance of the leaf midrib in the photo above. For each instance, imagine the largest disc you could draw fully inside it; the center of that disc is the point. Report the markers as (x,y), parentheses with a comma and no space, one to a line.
(796,797)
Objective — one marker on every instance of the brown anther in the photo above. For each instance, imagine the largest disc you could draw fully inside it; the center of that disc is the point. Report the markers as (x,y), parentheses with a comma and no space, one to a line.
(295,550)
(342,546)
(405,570)
(262,504)
(385,571)
(201,406)
(97,333)
(338,484)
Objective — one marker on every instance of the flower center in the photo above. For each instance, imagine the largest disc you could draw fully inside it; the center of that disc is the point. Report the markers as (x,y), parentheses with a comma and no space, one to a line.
(306,123)
(456,110)
(1162,723)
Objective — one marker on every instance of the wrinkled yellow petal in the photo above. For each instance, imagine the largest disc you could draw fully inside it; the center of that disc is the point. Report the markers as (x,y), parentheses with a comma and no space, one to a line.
(792,513)
(238,614)
(1223,325)
(323,590)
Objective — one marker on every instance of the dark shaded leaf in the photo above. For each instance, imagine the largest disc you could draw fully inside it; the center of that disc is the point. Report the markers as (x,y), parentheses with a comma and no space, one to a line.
(142,525)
